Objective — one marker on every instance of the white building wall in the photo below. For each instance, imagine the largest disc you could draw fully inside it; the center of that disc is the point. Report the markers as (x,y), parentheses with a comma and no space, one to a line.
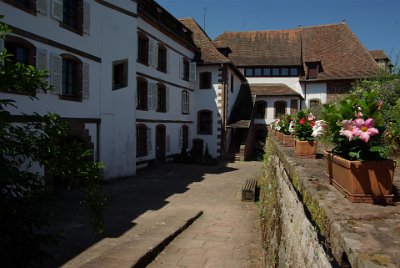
(314,91)
(270,108)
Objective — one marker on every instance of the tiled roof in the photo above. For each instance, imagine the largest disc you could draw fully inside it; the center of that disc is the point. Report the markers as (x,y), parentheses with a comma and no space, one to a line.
(379,55)
(341,54)
(209,53)
(272,90)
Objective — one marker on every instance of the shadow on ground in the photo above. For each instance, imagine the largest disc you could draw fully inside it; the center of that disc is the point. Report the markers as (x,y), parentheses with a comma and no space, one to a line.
(127,199)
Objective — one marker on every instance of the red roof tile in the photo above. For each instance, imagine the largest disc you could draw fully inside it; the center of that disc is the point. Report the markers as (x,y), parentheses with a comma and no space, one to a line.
(379,55)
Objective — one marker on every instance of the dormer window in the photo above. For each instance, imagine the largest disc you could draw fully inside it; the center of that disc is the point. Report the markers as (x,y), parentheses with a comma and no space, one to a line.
(313,69)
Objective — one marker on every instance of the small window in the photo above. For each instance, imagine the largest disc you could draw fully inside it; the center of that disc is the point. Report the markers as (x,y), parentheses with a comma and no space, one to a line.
(315,103)
(71,78)
(186,69)
(73,15)
(294,71)
(280,108)
(205,80)
(141,140)
(266,71)
(22,51)
(285,72)
(162,58)
(161,98)
(141,96)
(120,74)
(143,49)
(275,71)
(313,70)
(257,72)
(185,102)
(248,72)
(204,122)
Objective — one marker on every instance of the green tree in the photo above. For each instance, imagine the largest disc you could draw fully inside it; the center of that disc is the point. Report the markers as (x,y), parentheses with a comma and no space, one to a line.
(28,140)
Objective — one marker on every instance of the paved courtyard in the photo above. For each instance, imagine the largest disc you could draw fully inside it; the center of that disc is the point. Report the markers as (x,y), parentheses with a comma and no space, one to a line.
(226,235)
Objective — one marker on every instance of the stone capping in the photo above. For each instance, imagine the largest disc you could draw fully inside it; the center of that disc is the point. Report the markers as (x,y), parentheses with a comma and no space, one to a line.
(362,235)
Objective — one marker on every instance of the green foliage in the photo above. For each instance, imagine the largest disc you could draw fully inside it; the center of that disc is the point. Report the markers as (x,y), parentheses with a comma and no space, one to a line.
(25,142)
(284,123)
(303,127)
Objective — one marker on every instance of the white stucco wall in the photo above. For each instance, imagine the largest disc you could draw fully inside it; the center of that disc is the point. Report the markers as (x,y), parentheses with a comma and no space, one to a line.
(314,91)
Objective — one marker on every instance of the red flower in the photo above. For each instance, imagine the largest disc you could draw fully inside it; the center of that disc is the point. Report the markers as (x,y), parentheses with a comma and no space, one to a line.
(312,123)
(301,122)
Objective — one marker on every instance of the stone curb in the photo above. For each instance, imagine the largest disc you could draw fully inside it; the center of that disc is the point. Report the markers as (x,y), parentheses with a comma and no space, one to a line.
(140,251)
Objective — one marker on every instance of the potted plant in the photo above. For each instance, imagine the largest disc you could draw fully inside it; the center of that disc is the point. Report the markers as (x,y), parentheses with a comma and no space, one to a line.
(284,124)
(359,167)
(306,130)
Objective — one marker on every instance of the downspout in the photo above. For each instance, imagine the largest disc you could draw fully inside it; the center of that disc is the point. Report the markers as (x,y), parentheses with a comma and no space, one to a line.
(224,103)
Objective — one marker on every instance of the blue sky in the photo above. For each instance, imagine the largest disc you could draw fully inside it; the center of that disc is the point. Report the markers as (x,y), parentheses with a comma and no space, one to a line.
(375,22)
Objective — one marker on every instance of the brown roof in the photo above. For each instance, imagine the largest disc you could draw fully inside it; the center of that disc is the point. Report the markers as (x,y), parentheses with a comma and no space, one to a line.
(378,55)
(209,53)
(341,54)
(272,90)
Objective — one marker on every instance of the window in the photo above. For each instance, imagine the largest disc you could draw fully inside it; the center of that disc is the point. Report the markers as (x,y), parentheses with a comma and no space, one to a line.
(120,74)
(161,98)
(205,80)
(248,72)
(71,78)
(204,122)
(293,106)
(25,5)
(285,72)
(271,71)
(267,72)
(162,58)
(257,72)
(313,69)
(280,108)
(184,137)
(22,51)
(73,15)
(294,71)
(141,96)
(314,103)
(260,109)
(143,49)
(185,102)
(275,71)
(186,69)
(141,140)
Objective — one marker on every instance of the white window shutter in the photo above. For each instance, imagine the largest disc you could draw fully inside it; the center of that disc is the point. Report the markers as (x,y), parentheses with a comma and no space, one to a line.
(149,96)
(148,141)
(180,137)
(56,73)
(151,52)
(86,18)
(181,74)
(168,144)
(155,95)
(167,99)
(41,6)
(57,9)
(41,59)
(85,81)
(192,72)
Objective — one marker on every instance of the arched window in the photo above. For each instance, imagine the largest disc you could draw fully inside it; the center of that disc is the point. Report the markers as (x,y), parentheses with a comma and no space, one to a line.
(141,140)
(185,102)
(162,58)
(205,80)
(260,109)
(161,98)
(204,122)
(314,103)
(71,78)
(143,49)
(22,51)
(141,96)
(280,108)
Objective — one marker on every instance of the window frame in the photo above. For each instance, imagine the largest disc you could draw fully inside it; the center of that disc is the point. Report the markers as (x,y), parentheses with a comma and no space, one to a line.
(316,100)
(142,90)
(279,104)
(29,48)
(141,140)
(162,58)
(268,71)
(77,6)
(185,102)
(123,64)
(205,80)
(143,49)
(77,83)
(161,98)
(30,7)
(186,69)
(201,122)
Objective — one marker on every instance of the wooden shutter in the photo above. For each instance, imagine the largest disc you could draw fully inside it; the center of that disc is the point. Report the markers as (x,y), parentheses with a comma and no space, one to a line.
(41,59)
(57,9)
(148,141)
(192,72)
(166,99)
(151,52)
(180,137)
(85,81)
(56,73)
(86,18)
(41,6)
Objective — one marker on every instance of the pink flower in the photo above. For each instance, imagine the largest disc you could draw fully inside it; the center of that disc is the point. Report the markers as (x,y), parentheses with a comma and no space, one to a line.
(310,117)
(364,129)
(347,129)
(301,122)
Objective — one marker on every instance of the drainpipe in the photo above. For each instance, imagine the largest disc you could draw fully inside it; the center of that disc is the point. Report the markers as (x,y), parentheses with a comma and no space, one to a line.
(224,103)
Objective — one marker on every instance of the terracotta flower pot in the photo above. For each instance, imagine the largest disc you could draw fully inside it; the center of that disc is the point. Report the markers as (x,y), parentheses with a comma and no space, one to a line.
(279,135)
(305,149)
(364,182)
(287,140)
(328,165)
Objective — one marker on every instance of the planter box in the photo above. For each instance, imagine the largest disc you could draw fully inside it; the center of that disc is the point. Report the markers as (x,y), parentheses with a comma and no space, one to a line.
(364,182)
(287,140)
(305,149)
